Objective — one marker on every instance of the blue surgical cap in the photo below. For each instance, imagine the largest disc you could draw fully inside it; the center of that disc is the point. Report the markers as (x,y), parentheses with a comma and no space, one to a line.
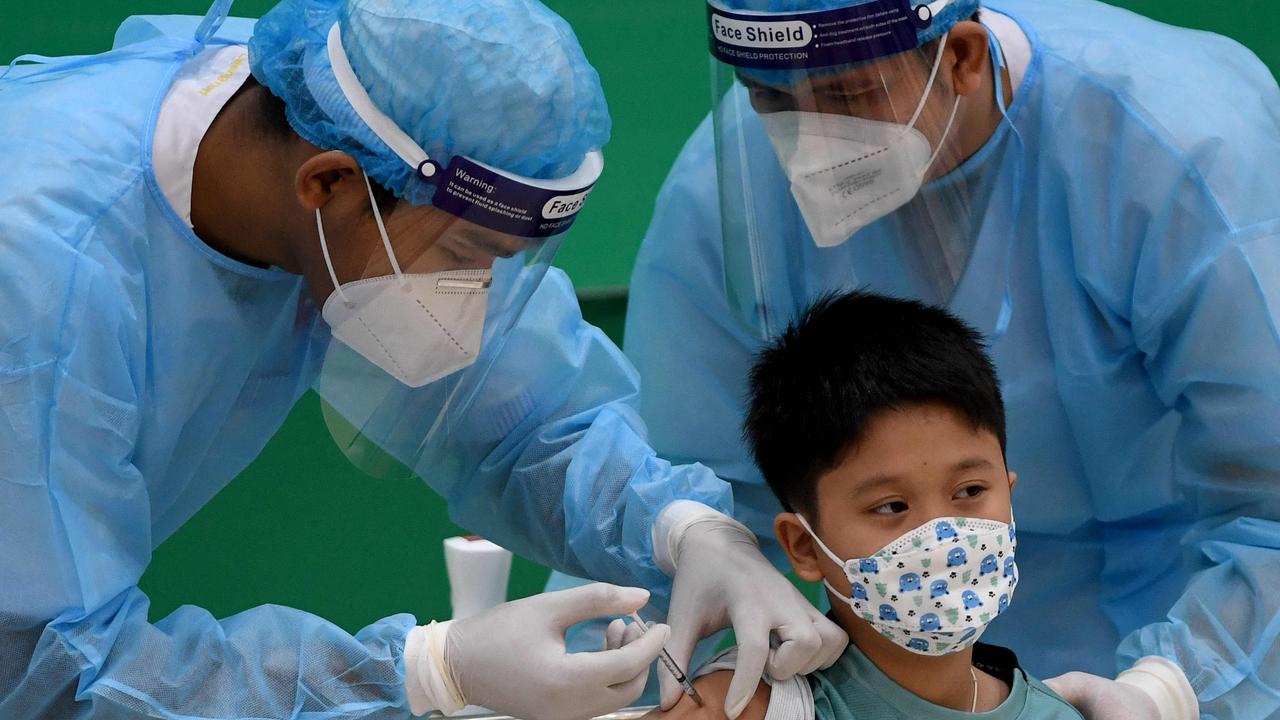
(946,19)
(504,82)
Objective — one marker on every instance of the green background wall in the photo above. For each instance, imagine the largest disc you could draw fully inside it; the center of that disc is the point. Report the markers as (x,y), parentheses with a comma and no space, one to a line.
(301,527)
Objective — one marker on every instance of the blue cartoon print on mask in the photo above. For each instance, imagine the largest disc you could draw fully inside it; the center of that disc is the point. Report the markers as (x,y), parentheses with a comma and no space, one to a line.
(945,530)
(989,565)
(859,592)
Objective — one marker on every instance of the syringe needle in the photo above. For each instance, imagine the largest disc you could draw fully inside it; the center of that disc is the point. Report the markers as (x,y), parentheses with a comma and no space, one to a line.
(671,665)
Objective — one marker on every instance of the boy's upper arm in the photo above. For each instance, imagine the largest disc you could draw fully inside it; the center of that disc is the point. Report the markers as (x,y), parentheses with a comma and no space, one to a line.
(713,687)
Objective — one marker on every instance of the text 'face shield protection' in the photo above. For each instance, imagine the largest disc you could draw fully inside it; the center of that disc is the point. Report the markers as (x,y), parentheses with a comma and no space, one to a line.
(415,313)
(837,136)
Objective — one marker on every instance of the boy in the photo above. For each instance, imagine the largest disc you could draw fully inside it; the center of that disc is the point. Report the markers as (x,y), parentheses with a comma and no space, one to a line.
(880,426)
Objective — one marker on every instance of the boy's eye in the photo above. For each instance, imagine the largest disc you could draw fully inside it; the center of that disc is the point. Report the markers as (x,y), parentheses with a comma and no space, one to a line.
(890,508)
(970,492)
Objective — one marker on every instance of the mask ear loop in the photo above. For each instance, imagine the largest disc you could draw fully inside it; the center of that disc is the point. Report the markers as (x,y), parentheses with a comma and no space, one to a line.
(328,263)
(844,564)
(947,131)
(928,88)
(834,558)
(386,240)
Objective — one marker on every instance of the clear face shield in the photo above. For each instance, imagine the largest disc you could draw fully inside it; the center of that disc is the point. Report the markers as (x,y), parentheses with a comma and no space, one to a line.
(839,142)
(418,317)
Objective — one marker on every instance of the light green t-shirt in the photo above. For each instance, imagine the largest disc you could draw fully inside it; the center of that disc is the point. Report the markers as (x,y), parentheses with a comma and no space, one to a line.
(855,689)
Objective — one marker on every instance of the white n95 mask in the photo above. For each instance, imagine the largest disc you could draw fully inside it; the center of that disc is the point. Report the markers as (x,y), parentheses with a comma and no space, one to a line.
(934,589)
(847,172)
(417,327)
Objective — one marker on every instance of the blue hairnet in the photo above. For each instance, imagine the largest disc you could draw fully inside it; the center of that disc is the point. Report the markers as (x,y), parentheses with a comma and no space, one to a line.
(500,81)
(953,13)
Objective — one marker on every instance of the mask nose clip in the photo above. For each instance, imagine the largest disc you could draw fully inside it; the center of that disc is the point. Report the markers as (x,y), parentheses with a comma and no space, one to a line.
(455,284)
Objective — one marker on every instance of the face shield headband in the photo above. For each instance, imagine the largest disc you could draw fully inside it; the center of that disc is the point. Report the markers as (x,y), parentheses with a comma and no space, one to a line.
(469,189)
(854,34)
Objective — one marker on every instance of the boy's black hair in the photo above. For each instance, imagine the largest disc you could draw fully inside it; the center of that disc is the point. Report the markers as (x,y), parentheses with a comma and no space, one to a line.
(851,357)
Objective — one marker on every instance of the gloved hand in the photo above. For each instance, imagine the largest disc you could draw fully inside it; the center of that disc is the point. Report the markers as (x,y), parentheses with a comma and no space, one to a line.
(722,579)
(1153,689)
(512,658)
(620,634)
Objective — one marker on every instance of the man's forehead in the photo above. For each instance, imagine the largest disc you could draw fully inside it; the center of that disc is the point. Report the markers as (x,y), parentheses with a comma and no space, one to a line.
(804,81)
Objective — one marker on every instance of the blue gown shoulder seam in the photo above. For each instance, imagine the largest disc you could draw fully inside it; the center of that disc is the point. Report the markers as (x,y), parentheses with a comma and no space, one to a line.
(1157,134)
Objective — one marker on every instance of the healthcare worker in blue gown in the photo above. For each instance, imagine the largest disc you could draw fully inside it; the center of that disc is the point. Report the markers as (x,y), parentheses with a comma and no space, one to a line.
(1100,194)
(362,197)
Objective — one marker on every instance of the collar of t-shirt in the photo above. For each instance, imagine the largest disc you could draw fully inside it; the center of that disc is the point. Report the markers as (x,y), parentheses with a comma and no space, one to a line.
(202,87)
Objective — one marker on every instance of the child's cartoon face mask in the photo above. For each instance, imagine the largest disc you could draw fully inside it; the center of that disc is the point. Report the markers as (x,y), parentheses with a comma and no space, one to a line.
(934,589)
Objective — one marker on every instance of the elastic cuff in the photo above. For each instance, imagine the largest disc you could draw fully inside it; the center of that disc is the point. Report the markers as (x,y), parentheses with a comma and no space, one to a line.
(1166,684)
(675,520)
(414,651)
(428,681)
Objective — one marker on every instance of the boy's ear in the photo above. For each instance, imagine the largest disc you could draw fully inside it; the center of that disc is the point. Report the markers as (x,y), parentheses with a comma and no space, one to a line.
(1013,480)
(799,546)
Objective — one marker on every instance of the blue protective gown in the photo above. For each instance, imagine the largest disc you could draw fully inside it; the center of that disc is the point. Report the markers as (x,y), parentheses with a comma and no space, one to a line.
(1133,230)
(140,371)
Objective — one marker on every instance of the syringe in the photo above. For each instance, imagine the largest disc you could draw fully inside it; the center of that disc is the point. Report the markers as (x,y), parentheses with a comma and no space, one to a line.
(674,669)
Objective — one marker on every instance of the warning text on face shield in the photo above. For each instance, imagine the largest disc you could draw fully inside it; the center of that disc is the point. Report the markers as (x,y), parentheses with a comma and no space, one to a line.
(481,195)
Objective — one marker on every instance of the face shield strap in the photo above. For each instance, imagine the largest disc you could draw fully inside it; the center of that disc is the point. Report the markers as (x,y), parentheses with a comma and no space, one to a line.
(469,189)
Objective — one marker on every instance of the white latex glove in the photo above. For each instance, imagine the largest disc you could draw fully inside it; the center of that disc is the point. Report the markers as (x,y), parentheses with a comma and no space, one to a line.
(621,633)
(512,658)
(1153,689)
(722,579)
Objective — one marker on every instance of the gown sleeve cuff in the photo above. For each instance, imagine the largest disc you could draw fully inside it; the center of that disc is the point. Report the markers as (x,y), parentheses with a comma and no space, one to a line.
(675,520)
(427,681)
(1166,684)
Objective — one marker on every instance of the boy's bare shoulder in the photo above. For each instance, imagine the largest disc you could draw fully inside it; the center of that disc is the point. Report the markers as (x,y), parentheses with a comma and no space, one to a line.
(713,688)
